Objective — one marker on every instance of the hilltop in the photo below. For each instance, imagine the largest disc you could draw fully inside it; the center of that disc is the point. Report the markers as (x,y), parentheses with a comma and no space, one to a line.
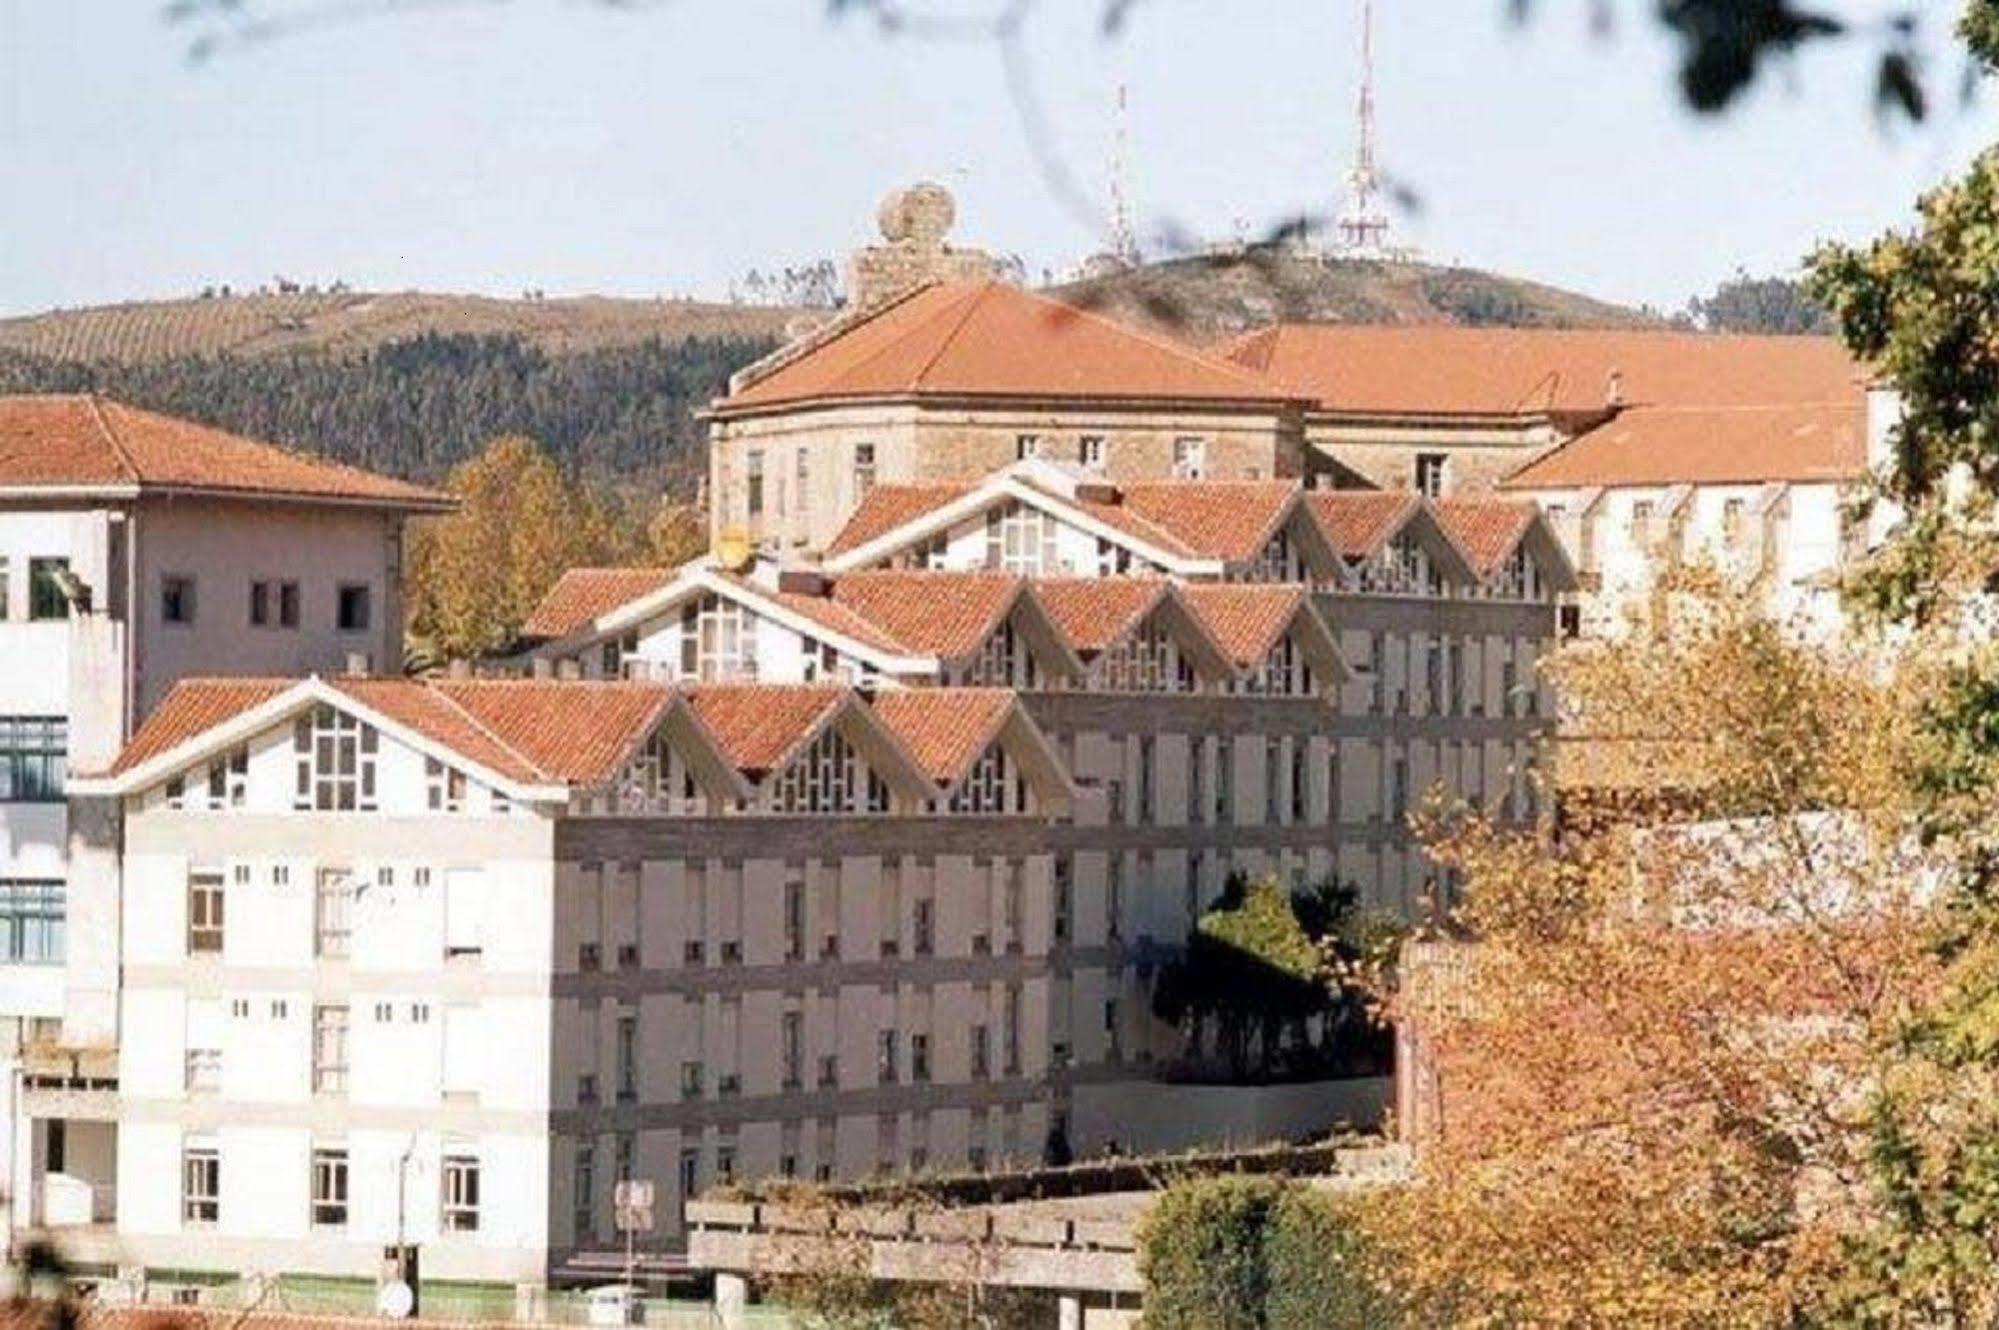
(1211,296)
(344,322)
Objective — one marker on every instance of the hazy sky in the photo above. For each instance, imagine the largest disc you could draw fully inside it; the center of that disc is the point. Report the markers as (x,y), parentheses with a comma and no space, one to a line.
(496,145)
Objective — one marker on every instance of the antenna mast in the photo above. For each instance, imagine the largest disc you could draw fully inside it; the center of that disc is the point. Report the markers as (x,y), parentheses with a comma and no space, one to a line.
(1363,227)
(1124,246)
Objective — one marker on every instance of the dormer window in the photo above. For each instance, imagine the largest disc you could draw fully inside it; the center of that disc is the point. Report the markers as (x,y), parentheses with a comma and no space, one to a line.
(1022,541)
(335,758)
(829,777)
(1148,661)
(1283,673)
(1190,457)
(992,786)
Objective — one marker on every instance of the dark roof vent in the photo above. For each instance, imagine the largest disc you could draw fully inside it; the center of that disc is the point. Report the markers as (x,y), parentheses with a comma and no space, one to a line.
(804,582)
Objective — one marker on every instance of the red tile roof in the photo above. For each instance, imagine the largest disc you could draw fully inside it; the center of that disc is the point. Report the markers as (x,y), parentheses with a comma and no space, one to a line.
(582,595)
(944,729)
(1487,530)
(946,614)
(991,339)
(1439,370)
(190,707)
(61,442)
(1246,619)
(755,725)
(1095,612)
(1213,519)
(530,731)
(1356,522)
(886,507)
(1708,446)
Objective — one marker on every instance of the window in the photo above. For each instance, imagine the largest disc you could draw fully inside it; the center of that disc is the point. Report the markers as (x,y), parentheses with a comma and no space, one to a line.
(1224,781)
(886,1058)
(791,1048)
(351,607)
(1273,755)
(329,1049)
(982,1053)
(204,914)
(923,926)
(864,468)
(754,481)
(274,603)
(444,786)
(34,758)
(333,913)
(204,1070)
(176,598)
(919,1058)
(1430,473)
(287,604)
(1113,895)
(691,1075)
(46,597)
(1010,1030)
(1090,452)
(628,1056)
(828,777)
(329,1188)
(1190,457)
(990,786)
(260,604)
(1026,446)
(803,478)
(200,1185)
(31,921)
(6,594)
(690,1170)
(1147,762)
(1731,520)
(584,1208)
(1021,540)
(1065,901)
(460,1208)
(335,755)
(1641,520)
(725,637)
(794,920)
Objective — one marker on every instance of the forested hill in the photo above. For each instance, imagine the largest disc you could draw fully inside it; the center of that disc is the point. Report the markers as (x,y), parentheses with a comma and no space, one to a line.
(415,407)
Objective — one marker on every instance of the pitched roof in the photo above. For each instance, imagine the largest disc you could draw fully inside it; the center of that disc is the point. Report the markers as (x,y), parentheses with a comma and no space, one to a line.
(190,707)
(1356,522)
(756,725)
(1094,612)
(1442,370)
(1712,446)
(994,339)
(931,613)
(944,729)
(1245,618)
(57,442)
(528,731)
(886,507)
(1216,519)
(1486,529)
(582,595)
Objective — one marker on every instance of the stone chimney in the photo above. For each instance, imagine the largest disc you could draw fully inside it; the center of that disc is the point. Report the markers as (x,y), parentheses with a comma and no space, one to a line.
(914,223)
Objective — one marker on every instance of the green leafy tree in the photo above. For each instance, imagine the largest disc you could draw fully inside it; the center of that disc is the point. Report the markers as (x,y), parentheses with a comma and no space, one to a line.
(1745,304)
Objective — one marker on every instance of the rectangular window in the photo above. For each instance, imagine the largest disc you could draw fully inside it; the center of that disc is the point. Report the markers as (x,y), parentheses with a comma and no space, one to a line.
(329,1188)
(864,468)
(287,604)
(794,921)
(46,597)
(583,1196)
(200,1185)
(176,598)
(204,914)
(791,1048)
(691,1077)
(1190,457)
(1026,446)
(351,607)
(802,476)
(333,913)
(460,1200)
(260,604)
(1090,452)
(886,1058)
(1224,781)
(1430,472)
(628,1057)
(31,921)
(204,1070)
(34,758)
(335,758)
(754,482)
(982,1053)
(919,1058)
(329,1049)
(6,590)
(444,787)
(923,932)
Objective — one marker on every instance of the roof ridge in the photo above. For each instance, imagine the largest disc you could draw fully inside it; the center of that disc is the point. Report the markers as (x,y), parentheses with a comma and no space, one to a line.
(436,689)
(1227,367)
(950,338)
(118,448)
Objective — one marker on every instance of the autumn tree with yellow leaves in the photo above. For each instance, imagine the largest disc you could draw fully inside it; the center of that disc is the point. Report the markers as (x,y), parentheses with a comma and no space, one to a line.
(475,575)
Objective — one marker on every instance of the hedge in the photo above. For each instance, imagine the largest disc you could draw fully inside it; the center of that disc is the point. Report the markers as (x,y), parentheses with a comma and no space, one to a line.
(1255,1253)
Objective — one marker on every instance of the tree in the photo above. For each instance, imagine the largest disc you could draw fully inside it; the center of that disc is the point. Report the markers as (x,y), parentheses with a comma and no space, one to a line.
(1652,1058)
(1745,304)
(475,575)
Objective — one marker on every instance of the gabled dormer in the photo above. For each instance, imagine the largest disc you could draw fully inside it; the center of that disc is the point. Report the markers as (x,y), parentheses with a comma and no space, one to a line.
(978,750)
(1275,638)
(808,750)
(1135,635)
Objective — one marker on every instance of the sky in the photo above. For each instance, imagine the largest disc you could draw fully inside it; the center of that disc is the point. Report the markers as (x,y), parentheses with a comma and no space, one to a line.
(669,146)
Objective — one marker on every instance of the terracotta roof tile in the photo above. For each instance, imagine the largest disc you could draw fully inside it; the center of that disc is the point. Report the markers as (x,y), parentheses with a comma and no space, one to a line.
(582,595)
(886,507)
(64,441)
(574,731)
(1227,520)
(943,729)
(828,614)
(1487,530)
(1095,612)
(1712,446)
(190,707)
(1245,618)
(994,339)
(755,725)
(946,614)
(1510,371)
(1356,522)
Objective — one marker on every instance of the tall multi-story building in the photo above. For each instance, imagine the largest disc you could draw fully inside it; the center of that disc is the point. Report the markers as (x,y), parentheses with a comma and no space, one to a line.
(135,550)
